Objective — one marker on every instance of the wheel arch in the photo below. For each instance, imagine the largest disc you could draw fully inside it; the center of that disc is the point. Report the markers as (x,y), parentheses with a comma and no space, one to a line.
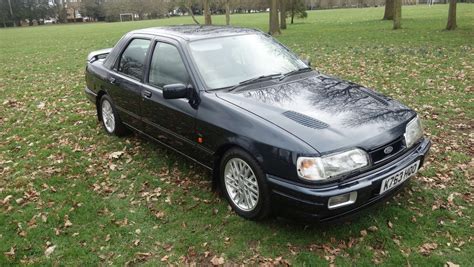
(223,148)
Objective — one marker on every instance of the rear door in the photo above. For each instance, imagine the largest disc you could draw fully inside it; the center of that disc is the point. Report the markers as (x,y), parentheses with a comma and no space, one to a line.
(171,121)
(126,79)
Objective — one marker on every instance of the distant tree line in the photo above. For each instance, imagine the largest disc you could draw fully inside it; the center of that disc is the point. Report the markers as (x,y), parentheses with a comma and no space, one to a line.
(14,11)
(20,12)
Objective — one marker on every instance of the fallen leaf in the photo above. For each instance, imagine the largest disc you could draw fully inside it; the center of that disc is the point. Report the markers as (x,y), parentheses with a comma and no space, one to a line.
(217,260)
(426,248)
(116,154)
(373,228)
(10,253)
(363,233)
(142,256)
(41,105)
(165,258)
(390,224)
(49,251)
(450,264)
(6,199)
(160,214)
(67,222)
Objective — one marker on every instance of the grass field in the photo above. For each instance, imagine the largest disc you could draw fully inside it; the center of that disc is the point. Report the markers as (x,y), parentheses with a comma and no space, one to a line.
(67,198)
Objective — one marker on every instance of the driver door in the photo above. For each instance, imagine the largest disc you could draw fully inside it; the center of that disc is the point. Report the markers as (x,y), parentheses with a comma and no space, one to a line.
(170,121)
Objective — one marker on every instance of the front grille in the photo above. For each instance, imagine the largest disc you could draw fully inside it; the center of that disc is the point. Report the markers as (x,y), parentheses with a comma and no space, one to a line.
(382,153)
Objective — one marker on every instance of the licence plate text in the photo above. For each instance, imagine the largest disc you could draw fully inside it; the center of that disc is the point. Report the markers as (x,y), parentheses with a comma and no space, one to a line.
(399,177)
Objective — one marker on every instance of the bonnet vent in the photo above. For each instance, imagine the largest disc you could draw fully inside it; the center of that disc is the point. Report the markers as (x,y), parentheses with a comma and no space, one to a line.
(305,120)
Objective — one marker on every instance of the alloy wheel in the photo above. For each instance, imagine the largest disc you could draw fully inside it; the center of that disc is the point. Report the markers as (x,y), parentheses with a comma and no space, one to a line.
(108,116)
(241,184)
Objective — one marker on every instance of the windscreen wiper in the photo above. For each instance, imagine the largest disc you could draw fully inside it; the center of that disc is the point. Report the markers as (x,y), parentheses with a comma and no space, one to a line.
(254,80)
(300,70)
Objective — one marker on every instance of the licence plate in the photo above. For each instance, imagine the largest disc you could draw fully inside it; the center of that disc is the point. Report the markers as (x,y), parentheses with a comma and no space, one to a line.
(399,177)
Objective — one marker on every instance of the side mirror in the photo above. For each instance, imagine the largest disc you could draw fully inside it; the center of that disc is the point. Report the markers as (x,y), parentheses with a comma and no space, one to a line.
(307,62)
(306,59)
(175,91)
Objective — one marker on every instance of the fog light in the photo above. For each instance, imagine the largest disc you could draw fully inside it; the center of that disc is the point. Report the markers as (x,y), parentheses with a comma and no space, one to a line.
(342,200)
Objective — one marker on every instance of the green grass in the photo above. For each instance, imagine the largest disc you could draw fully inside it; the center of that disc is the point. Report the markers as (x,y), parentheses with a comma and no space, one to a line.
(54,156)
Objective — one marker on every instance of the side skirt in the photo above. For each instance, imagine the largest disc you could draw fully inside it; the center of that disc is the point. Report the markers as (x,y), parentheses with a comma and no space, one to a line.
(168,146)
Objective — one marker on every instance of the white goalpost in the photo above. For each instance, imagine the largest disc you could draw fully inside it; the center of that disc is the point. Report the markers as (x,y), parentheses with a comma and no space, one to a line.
(430,2)
(131,15)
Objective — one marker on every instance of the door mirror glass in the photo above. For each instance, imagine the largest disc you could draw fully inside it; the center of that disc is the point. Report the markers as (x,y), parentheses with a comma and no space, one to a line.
(175,91)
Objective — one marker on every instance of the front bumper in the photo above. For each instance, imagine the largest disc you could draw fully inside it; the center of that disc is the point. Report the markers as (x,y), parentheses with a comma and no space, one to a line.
(312,202)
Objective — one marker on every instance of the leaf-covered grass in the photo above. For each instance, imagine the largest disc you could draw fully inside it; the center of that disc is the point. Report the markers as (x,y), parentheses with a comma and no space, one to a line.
(66,197)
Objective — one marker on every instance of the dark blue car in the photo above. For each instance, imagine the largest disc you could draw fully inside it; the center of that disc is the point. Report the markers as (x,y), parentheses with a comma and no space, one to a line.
(277,135)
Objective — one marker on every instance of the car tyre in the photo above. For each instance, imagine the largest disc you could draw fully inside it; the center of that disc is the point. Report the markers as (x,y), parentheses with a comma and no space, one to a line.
(243,183)
(110,119)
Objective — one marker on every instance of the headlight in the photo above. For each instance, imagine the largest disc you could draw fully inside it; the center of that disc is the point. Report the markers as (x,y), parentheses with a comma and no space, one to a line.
(321,168)
(413,132)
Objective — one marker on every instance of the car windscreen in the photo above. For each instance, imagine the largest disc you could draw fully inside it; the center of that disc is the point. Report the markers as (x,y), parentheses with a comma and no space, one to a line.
(227,61)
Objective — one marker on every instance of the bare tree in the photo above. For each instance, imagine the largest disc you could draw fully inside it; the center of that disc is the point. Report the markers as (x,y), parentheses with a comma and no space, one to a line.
(296,8)
(207,13)
(397,14)
(283,14)
(389,8)
(274,25)
(452,16)
(227,12)
(188,5)
(11,13)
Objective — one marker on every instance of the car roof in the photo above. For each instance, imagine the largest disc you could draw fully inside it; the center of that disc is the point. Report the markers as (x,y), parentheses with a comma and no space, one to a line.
(196,32)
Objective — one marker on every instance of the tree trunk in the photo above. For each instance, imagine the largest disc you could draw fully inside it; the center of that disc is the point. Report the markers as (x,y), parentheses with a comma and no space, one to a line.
(282,14)
(207,13)
(397,14)
(190,10)
(389,8)
(451,16)
(227,12)
(274,25)
(11,13)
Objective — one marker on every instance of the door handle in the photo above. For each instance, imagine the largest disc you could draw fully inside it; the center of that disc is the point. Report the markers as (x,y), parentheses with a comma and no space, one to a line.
(146,94)
(112,80)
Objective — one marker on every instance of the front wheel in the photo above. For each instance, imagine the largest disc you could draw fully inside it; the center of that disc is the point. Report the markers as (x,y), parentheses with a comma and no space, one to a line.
(109,117)
(244,186)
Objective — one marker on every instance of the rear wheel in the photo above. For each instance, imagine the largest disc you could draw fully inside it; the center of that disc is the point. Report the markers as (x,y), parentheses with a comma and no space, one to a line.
(244,186)
(109,117)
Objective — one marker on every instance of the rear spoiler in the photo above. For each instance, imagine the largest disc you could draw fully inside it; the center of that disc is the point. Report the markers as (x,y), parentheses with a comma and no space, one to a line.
(99,54)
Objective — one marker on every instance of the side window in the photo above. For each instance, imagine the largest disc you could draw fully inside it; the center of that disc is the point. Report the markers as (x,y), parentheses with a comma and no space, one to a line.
(132,61)
(167,67)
